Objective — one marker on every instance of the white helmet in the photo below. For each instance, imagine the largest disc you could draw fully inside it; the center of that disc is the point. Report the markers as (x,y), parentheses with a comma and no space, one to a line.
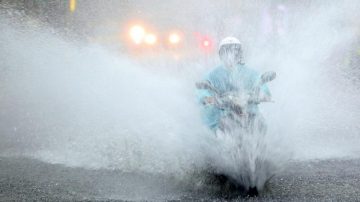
(230,51)
(229,40)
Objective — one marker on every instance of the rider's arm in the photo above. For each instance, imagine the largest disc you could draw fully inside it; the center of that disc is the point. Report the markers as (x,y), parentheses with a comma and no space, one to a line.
(264,94)
(205,97)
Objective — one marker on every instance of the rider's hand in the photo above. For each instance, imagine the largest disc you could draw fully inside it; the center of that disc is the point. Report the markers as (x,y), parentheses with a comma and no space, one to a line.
(259,99)
(238,100)
(209,100)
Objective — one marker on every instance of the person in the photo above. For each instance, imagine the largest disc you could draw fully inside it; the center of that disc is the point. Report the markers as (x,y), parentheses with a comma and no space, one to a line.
(232,76)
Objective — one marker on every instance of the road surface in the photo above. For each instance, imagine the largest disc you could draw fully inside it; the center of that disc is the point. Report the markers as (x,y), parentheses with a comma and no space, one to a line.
(29,179)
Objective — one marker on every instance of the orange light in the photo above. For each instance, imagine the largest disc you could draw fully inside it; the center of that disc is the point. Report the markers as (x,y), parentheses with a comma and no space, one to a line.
(137,34)
(150,39)
(174,38)
(72,5)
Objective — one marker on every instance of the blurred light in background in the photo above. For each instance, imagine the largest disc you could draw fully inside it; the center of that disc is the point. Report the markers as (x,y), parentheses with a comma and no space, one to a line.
(137,34)
(174,38)
(72,5)
(150,39)
(206,44)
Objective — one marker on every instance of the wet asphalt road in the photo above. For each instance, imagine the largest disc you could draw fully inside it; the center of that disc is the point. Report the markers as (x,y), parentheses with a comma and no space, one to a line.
(27,180)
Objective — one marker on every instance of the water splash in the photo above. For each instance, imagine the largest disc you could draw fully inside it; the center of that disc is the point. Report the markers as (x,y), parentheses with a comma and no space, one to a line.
(82,105)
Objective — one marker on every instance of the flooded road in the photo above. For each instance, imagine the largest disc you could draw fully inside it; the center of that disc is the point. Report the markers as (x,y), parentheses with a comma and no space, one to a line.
(105,118)
(27,179)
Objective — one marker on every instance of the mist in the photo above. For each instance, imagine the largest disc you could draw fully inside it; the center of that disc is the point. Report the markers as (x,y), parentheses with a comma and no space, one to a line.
(82,104)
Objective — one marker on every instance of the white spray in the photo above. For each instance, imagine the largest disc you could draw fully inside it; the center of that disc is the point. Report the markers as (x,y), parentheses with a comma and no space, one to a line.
(81,105)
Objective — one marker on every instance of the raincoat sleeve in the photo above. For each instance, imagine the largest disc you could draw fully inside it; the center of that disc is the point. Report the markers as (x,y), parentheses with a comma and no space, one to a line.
(202,94)
(265,93)
(254,79)
(210,114)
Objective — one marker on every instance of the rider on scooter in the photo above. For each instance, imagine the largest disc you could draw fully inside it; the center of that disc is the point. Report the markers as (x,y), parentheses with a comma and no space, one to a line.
(231,76)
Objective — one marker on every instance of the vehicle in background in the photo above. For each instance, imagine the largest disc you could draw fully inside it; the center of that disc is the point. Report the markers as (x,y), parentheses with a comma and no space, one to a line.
(141,41)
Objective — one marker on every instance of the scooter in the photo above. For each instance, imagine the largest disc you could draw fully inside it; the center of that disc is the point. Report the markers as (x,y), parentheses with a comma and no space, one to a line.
(237,119)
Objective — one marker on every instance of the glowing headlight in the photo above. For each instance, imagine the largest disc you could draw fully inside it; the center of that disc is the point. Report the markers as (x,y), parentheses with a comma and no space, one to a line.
(137,34)
(150,39)
(174,38)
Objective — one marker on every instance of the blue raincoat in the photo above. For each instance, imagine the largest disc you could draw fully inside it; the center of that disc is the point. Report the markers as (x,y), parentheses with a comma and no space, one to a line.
(239,79)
